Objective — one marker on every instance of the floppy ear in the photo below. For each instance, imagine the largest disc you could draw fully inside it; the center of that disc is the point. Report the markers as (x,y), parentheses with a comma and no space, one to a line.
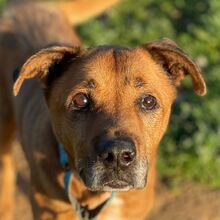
(176,63)
(40,64)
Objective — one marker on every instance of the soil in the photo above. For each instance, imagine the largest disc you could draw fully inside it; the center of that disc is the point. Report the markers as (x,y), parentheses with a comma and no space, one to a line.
(192,202)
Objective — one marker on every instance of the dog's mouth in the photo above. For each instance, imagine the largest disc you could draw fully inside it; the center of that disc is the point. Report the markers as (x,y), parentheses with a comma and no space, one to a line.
(112,183)
(106,184)
(98,177)
(112,186)
(117,185)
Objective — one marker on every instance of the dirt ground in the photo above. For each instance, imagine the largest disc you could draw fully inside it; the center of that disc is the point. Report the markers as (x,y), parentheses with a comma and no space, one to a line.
(193,202)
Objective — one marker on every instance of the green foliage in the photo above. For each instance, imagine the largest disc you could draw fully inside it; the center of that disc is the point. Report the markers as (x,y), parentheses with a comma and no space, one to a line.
(2,3)
(191,147)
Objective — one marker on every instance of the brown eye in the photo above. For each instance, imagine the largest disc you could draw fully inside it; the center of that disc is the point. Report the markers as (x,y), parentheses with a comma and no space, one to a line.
(148,102)
(80,101)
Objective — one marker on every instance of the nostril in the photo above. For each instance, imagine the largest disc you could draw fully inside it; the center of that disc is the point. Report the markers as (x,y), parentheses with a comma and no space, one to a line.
(109,157)
(127,157)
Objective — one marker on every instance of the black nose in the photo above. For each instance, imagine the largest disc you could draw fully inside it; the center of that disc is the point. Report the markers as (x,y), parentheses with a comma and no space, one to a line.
(117,152)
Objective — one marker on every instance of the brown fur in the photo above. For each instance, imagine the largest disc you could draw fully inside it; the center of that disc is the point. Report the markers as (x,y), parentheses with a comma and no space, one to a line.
(115,78)
(81,10)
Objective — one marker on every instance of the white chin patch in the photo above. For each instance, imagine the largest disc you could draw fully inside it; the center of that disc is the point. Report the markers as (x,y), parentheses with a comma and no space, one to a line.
(111,189)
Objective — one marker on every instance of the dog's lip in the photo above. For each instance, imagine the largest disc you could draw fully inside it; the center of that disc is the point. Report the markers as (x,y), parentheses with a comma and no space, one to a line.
(116,184)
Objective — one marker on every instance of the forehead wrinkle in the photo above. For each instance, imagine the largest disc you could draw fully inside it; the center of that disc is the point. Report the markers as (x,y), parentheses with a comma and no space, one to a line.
(121,58)
(123,67)
(110,81)
(101,68)
(128,68)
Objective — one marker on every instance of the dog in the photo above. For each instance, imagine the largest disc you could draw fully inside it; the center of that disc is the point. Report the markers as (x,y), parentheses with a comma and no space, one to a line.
(89,120)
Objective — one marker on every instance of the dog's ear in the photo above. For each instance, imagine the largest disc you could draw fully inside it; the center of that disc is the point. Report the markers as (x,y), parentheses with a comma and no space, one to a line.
(176,63)
(42,64)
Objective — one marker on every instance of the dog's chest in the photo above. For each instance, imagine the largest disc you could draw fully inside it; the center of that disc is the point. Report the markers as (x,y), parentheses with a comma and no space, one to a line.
(113,211)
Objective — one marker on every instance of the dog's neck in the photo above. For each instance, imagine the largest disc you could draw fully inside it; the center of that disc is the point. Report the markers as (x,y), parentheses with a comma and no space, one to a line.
(87,198)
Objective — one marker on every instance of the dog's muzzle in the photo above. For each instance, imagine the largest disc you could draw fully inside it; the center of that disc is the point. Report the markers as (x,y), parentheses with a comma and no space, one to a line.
(115,167)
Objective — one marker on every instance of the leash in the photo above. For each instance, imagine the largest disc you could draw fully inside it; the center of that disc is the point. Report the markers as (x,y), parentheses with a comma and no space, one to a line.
(83,212)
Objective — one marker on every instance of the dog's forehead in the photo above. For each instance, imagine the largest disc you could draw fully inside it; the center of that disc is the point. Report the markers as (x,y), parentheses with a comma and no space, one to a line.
(109,73)
(133,67)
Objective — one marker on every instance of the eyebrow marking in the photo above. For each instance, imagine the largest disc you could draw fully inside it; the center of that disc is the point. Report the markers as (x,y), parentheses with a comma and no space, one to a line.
(91,84)
(139,82)
(126,81)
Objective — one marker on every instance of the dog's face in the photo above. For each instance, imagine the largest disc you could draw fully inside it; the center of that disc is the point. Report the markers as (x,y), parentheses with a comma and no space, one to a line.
(110,107)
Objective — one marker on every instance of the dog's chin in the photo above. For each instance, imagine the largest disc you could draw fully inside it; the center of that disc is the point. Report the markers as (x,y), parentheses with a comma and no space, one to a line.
(99,178)
(113,186)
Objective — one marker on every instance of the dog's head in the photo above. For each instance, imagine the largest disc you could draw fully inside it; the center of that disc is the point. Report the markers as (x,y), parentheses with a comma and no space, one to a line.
(110,106)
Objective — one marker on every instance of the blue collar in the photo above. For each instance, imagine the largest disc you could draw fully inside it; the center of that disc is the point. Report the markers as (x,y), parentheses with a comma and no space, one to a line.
(83,212)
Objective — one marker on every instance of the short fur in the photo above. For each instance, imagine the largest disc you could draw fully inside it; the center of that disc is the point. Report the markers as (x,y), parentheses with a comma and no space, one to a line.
(115,79)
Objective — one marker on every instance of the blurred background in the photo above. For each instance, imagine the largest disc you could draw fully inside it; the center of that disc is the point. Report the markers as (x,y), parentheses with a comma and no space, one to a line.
(189,155)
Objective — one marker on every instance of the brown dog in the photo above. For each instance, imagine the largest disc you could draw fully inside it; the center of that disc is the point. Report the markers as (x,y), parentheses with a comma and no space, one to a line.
(108,106)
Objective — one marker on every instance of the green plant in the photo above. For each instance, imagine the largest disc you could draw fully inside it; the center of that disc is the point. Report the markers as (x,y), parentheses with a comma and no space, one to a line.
(2,4)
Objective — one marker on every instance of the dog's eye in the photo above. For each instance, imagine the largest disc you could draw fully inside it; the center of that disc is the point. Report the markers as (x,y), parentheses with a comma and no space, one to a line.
(148,102)
(80,101)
